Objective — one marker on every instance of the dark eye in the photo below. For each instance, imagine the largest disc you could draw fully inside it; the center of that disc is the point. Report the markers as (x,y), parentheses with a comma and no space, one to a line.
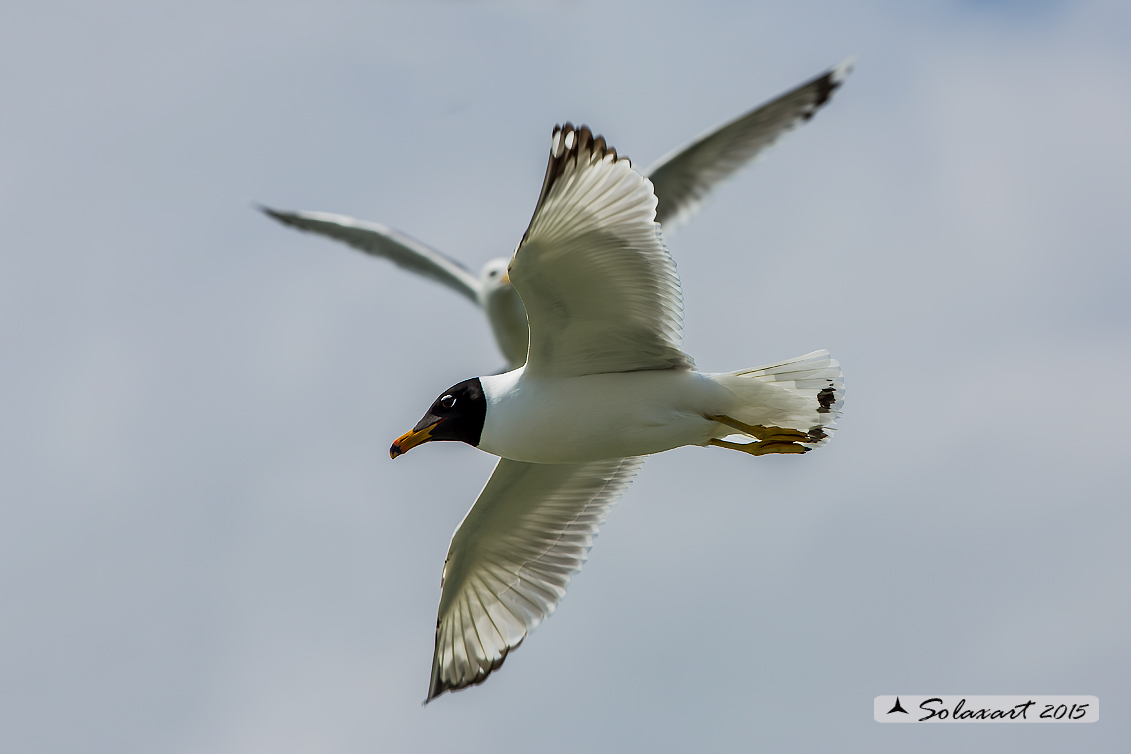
(448,401)
(494,273)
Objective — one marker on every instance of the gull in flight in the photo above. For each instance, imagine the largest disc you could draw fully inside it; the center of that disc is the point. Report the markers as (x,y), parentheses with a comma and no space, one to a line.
(683,178)
(605,384)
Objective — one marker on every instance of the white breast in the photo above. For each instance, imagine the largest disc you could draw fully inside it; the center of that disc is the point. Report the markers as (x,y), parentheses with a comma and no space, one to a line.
(575,419)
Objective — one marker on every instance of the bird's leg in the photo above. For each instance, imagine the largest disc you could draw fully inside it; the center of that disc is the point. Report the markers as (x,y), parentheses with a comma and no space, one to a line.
(761,448)
(762,432)
(771,439)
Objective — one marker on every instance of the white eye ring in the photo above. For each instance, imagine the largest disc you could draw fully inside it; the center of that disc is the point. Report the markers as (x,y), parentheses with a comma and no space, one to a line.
(448,401)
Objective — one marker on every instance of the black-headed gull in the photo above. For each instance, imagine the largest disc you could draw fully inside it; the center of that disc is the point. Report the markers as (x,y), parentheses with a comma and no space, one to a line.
(606,383)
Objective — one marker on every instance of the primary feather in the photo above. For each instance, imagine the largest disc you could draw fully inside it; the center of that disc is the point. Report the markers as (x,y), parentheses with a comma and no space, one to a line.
(600,290)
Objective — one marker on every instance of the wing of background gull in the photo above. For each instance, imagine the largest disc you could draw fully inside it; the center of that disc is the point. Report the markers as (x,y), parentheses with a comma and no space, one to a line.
(684,177)
(380,241)
(682,180)
(511,558)
(600,290)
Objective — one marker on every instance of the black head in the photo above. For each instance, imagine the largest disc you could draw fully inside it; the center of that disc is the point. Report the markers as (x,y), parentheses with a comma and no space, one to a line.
(458,414)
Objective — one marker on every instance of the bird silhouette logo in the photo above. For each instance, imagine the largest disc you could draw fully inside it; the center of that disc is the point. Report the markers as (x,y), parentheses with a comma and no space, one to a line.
(898,708)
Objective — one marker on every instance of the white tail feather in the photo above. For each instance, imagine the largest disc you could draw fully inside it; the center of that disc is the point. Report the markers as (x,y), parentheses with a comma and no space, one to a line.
(804,393)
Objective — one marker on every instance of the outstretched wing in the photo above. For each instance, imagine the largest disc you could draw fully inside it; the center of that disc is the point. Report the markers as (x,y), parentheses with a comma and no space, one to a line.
(600,290)
(685,176)
(380,241)
(512,557)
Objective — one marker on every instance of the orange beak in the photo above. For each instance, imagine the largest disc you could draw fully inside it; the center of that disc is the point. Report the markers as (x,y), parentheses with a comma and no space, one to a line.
(411,439)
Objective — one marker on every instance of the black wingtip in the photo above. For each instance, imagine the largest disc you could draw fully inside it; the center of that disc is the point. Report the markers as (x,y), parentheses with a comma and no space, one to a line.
(269,211)
(826,84)
(438,686)
(567,145)
(281,215)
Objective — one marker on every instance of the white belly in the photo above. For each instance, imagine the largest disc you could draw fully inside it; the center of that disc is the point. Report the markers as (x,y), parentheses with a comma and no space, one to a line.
(542,420)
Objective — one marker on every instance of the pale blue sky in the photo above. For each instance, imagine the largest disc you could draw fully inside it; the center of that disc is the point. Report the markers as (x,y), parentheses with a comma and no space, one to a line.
(204,546)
